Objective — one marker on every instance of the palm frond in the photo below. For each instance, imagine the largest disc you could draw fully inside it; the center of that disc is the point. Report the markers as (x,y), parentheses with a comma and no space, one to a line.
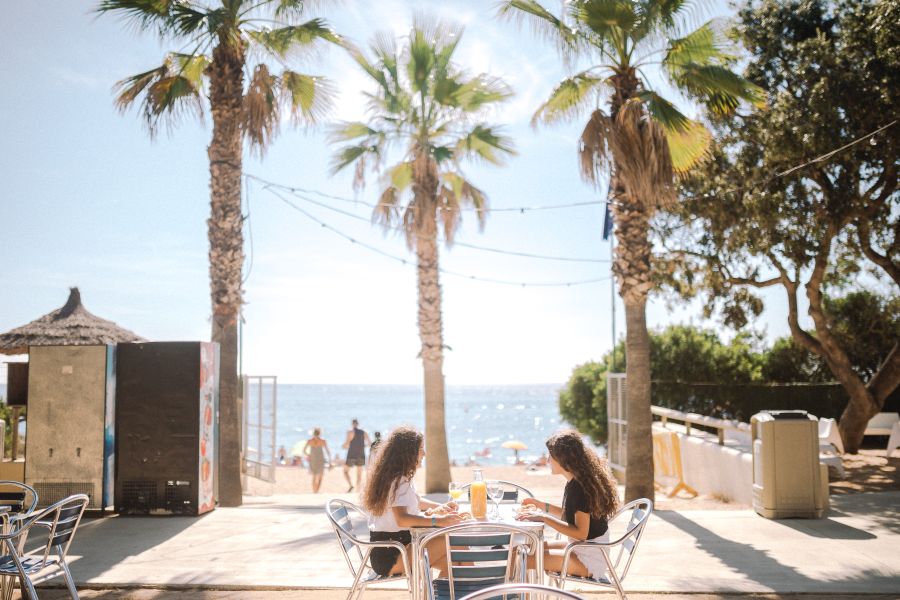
(716,86)
(689,147)
(593,146)
(664,112)
(387,211)
(542,22)
(700,47)
(144,15)
(641,155)
(400,176)
(606,18)
(284,41)
(187,20)
(164,93)
(459,191)
(261,114)
(567,99)
(310,97)
(421,59)
(479,91)
(485,143)
(344,132)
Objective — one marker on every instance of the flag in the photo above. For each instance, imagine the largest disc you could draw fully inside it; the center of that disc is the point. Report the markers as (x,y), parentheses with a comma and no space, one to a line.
(607,224)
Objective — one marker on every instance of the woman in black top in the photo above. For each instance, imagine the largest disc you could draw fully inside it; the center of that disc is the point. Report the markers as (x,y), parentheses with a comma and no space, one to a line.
(589,499)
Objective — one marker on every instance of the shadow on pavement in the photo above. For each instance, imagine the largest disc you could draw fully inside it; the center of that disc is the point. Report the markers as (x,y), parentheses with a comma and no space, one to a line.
(879,507)
(759,566)
(97,537)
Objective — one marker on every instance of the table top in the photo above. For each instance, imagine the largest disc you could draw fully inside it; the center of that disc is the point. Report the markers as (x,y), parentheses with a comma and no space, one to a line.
(507,517)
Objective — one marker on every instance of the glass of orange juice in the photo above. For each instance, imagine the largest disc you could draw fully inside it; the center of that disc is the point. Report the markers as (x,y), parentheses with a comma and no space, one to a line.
(455,490)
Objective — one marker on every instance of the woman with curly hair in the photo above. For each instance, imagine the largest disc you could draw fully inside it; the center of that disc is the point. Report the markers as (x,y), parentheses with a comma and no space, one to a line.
(394,506)
(589,500)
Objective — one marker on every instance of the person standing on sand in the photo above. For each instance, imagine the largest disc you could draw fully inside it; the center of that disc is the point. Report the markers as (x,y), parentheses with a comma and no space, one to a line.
(315,451)
(355,445)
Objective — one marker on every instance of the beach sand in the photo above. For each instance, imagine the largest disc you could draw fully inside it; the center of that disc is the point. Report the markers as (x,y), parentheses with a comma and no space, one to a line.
(868,471)
(544,485)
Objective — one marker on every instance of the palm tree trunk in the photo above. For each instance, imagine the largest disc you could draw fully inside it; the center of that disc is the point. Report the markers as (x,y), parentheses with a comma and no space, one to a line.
(437,462)
(226,255)
(632,271)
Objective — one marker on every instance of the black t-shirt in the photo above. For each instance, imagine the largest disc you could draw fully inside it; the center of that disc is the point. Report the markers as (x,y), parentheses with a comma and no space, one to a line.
(575,500)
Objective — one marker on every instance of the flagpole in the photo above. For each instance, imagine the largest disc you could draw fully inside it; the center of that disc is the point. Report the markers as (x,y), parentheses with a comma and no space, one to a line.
(607,234)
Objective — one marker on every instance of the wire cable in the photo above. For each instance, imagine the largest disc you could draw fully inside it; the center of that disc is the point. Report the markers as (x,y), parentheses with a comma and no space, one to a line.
(455,243)
(405,261)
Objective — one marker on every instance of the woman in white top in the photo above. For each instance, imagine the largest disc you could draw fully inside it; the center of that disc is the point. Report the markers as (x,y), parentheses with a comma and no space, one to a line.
(391,499)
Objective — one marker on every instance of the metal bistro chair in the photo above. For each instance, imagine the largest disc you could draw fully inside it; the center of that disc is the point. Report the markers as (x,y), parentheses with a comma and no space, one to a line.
(522,591)
(48,560)
(479,555)
(513,493)
(617,553)
(21,500)
(356,551)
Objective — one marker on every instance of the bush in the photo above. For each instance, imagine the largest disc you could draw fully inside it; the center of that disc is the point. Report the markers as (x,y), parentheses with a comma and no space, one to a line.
(583,401)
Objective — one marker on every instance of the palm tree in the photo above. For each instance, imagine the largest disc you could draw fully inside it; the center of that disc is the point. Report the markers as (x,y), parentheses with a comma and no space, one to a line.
(428,108)
(641,138)
(216,39)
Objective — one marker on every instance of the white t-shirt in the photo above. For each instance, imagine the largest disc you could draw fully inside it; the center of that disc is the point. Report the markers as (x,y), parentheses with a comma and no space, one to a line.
(404,495)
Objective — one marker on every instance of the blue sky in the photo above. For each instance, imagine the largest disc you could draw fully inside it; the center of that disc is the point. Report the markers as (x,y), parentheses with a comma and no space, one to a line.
(87,199)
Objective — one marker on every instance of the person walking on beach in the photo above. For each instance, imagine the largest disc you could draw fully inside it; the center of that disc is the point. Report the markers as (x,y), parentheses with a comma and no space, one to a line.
(394,505)
(589,500)
(315,451)
(355,445)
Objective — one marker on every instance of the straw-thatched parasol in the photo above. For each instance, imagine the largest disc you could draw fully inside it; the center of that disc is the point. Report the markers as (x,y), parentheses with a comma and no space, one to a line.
(71,325)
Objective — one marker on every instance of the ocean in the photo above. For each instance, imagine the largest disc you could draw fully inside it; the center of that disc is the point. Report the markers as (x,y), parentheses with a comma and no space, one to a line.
(479,417)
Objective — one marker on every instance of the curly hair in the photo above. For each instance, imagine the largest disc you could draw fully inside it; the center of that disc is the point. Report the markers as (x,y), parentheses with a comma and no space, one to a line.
(397,458)
(568,449)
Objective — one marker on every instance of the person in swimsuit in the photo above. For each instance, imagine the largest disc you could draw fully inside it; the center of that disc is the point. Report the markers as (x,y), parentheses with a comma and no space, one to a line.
(394,506)
(355,445)
(315,451)
(589,500)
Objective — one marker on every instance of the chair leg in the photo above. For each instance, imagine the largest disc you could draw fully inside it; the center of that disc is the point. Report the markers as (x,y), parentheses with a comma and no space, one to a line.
(70,581)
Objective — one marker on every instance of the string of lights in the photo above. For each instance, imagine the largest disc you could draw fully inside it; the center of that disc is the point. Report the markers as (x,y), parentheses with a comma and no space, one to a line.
(455,243)
(518,209)
(406,261)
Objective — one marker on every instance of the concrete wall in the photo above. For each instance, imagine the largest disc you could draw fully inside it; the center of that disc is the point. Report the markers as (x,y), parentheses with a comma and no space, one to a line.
(713,469)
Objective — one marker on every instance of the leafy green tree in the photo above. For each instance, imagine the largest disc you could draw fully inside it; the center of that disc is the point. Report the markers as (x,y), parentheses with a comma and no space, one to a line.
(679,353)
(761,214)
(866,324)
(431,110)
(640,138)
(582,402)
(220,36)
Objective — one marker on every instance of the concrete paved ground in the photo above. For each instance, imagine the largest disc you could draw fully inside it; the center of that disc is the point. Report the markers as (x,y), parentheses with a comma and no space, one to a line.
(285,543)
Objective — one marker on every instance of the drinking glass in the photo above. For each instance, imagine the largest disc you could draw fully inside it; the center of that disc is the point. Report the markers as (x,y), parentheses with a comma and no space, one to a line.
(495,491)
(455,489)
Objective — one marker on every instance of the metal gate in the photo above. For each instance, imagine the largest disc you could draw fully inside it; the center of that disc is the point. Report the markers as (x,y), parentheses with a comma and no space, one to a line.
(260,408)
(617,420)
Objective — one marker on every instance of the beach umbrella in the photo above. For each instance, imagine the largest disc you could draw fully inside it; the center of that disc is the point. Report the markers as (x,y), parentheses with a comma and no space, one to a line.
(71,325)
(515,446)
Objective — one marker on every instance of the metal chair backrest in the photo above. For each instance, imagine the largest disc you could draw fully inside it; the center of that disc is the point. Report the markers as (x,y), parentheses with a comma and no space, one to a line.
(522,590)
(637,512)
(480,555)
(513,493)
(19,497)
(61,519)
(341,515)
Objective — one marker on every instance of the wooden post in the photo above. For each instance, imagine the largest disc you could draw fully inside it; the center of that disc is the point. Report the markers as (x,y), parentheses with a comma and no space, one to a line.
(15,432)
